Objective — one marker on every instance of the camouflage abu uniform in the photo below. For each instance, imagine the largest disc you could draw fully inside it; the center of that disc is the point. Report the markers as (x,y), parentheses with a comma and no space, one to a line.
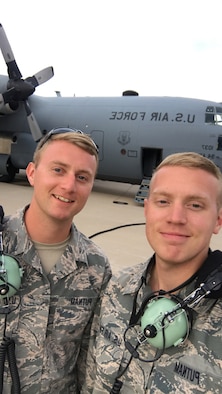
(194,367)
(52,322)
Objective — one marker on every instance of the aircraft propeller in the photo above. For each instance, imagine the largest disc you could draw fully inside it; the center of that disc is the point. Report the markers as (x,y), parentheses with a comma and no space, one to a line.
(18,89)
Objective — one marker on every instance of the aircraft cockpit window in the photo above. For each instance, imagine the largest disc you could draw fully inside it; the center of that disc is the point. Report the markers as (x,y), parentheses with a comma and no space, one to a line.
(213,115)
(210,109)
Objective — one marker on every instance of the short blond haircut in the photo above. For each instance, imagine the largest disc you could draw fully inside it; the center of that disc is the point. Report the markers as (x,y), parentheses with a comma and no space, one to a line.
(77,138)
(193,160)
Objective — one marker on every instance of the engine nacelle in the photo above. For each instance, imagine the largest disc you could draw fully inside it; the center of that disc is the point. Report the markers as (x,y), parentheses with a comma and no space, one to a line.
(8,109)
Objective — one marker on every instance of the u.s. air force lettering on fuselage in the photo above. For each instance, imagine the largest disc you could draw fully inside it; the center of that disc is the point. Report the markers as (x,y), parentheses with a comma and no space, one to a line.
(153,116)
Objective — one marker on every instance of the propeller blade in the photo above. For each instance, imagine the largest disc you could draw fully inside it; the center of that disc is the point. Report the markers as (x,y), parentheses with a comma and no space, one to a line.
(13,70)
(32,122)
(41,77)
(18,89)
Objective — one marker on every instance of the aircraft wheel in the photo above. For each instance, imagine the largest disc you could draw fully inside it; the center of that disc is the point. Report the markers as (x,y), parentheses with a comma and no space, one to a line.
(11,173)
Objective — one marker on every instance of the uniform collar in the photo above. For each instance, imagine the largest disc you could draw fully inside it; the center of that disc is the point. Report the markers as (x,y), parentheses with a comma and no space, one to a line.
(74,253)
(130,279)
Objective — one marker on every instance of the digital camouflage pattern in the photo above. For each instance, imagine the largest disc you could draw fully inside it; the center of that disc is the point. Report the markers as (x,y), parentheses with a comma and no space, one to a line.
(52,322)
(191,368)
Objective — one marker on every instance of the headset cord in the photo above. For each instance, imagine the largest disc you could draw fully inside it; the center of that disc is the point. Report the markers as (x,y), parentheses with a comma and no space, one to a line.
(7,349)
(117,385)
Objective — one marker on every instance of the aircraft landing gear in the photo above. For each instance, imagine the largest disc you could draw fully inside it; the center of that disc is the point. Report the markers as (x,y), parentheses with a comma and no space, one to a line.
(9,173)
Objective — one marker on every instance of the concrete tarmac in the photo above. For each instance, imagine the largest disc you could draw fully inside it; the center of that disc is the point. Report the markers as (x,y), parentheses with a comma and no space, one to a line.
(110,211)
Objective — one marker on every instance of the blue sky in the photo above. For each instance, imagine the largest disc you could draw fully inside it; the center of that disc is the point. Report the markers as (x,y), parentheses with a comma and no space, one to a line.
(103,47)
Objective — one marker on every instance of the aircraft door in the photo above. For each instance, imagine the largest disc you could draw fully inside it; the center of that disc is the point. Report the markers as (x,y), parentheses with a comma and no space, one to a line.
(219,143)
(151,157)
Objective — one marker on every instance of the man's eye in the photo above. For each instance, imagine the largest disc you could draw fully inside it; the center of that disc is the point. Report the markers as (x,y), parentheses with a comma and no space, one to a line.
(82,177)
(162,202)
(196,205)
(57,169)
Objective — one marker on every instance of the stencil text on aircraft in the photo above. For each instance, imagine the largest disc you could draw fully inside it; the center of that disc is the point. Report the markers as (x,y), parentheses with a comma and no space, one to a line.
(153,116)
(127,115)
(179,117)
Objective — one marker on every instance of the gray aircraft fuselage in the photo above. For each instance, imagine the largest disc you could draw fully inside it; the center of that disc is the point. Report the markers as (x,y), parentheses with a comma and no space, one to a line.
(133,133)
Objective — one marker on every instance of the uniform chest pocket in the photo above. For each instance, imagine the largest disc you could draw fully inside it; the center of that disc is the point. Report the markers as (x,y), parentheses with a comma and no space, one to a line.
(70,317)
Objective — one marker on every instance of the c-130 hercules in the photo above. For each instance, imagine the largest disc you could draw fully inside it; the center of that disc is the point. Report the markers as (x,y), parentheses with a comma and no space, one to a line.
(133,133)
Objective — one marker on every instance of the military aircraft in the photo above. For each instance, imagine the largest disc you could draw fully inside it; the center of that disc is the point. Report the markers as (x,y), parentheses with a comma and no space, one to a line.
(133,133)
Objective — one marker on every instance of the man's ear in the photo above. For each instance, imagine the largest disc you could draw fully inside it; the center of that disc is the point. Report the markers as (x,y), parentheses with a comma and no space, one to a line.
(145,206)
(219,222)
(30,171)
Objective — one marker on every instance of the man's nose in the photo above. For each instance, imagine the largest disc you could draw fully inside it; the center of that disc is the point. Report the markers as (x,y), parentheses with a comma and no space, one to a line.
(69,182)
(177,213)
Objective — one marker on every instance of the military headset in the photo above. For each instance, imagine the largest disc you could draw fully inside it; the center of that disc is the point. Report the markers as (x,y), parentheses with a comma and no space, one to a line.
(10,270)
(10,281)
(165,319)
